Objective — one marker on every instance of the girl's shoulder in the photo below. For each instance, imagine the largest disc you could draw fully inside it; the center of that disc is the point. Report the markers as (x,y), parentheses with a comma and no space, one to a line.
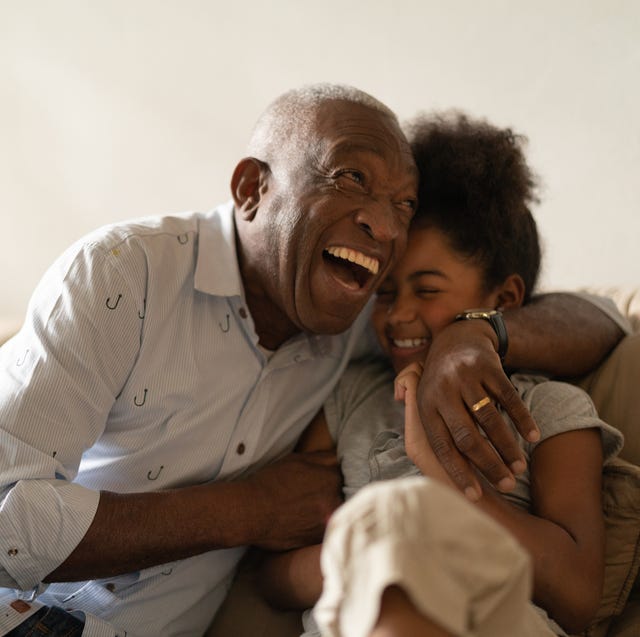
(559,407)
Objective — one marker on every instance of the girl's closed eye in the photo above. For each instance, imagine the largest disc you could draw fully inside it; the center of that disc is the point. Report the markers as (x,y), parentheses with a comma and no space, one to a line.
(427,291)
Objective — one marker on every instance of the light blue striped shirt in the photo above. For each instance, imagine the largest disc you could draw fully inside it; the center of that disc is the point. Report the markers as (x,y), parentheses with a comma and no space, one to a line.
(138,369)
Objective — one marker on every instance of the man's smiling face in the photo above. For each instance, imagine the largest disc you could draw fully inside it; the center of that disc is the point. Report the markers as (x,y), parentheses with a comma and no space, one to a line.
(335,215)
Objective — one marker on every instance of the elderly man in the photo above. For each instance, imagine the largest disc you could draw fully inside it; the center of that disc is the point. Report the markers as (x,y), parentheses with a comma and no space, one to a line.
(167,366)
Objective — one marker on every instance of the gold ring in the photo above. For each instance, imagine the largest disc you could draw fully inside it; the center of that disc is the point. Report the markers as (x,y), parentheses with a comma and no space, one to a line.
(480,404)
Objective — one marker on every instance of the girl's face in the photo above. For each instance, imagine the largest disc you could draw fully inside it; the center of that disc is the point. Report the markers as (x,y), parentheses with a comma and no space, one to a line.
(423,293)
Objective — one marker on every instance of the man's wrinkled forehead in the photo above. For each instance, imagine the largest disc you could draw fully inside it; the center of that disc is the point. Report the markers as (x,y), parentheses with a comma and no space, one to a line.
(350,128)
(354,120)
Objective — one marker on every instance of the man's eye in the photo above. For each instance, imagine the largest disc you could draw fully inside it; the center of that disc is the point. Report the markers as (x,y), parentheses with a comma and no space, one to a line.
(427,291)
(406,210)
(353,175)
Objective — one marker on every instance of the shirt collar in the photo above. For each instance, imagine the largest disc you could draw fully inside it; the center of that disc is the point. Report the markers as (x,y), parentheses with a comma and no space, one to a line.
(217,273)
(217,270)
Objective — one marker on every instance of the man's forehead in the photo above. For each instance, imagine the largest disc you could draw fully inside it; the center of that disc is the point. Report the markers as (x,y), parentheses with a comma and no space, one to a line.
(352,128)
(339,129)
(353,118)
(368,144)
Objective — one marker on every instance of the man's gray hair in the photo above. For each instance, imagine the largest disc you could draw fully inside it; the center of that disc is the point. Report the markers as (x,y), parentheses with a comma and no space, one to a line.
(285,123)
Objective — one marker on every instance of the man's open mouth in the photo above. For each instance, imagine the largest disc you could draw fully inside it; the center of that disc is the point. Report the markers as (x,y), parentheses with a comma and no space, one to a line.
(350,266)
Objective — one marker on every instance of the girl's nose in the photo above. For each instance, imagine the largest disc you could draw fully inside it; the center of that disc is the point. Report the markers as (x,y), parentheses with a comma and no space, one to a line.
(401,311)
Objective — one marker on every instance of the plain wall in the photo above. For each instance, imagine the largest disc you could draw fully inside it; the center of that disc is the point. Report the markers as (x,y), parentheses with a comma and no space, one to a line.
(114,109)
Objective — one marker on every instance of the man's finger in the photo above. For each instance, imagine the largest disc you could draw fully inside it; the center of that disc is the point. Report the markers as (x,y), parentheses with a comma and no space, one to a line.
(451,460)
(470,443)
(510,400)
(504,442)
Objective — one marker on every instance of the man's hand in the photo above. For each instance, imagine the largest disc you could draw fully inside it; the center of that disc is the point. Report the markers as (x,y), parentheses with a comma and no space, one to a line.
(284,505)
(294,498)
(461,369)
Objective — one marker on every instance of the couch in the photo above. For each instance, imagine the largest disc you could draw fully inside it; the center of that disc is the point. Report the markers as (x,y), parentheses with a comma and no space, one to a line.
(613,388)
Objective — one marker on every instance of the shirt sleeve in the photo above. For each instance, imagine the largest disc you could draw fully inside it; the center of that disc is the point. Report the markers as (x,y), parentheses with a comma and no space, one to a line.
(608,306)
(560,407)
(59,377)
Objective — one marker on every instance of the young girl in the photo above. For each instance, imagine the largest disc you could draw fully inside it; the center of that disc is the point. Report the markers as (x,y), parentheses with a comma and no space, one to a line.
(473,244)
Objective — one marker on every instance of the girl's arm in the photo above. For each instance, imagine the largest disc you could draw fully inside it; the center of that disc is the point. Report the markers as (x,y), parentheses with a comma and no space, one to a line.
(563,533)
(293,579)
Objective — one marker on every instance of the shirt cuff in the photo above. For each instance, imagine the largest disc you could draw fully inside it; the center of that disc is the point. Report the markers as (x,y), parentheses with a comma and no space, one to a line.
(41,523)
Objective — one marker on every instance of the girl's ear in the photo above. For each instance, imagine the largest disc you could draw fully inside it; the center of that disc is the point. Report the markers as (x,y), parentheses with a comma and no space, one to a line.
(510,292)
(248,184)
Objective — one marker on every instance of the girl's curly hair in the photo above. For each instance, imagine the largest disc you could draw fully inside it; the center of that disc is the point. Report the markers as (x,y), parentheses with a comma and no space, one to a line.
(476,188)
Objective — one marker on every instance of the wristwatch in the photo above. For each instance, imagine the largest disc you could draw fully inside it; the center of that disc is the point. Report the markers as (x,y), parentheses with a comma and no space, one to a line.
(494,317)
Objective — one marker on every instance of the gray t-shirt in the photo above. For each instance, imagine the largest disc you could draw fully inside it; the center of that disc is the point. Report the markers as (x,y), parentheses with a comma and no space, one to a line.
(367,424)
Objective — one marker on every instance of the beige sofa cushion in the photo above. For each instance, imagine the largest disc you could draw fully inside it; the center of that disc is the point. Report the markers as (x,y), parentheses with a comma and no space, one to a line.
(621,505)
(615,390)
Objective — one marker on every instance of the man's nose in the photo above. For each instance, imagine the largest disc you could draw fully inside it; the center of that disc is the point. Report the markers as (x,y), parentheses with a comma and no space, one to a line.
(380,221)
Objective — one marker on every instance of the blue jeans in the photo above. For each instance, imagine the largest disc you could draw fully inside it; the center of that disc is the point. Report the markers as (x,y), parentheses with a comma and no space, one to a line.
(50,621)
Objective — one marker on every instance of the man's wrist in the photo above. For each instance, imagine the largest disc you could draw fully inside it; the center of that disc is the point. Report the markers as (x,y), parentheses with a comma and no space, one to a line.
(495,320)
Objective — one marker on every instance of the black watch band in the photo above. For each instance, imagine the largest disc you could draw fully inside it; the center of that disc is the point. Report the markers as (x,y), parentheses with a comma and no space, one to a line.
(494,317)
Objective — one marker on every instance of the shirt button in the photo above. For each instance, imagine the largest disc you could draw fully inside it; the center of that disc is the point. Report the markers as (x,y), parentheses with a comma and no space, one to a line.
(20,605)
(12,552)
(240,449)
(242,312)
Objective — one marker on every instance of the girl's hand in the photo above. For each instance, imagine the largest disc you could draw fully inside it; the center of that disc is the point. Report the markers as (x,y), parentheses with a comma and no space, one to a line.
(415,438)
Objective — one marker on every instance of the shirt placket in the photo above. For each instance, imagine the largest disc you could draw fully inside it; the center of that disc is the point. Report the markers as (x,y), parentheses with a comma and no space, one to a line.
(242,450)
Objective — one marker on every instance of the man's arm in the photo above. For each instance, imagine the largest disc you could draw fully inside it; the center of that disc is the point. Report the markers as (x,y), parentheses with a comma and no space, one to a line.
(282,506)
(560,334)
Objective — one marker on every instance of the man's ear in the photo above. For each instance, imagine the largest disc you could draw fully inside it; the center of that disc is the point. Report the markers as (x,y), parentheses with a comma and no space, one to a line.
(510,292)
(248,184)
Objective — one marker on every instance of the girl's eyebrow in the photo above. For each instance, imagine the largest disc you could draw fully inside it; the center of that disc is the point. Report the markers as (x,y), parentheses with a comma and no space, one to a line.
(418,273)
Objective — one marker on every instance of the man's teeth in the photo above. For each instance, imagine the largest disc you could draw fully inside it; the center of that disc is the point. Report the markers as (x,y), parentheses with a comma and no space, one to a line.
(371,264)
(409,342)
